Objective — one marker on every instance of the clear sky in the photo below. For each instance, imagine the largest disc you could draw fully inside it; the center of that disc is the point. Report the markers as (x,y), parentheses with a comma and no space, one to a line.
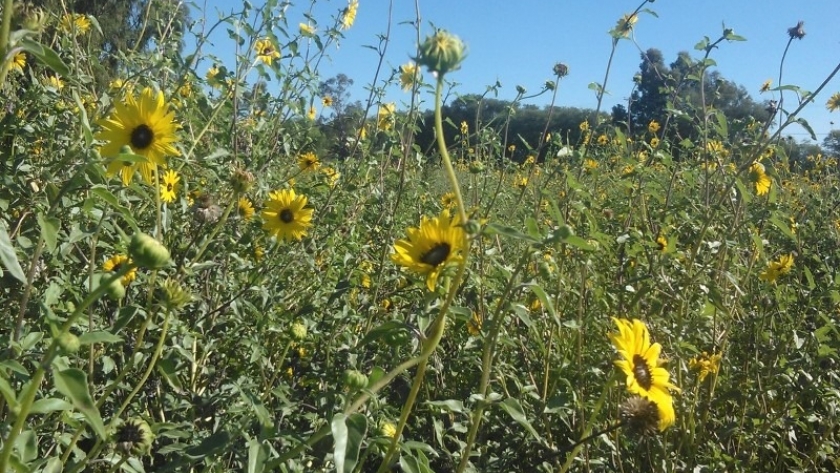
(518,42)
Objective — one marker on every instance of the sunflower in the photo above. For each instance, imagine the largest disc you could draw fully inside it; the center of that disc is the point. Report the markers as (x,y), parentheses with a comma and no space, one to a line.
(114,263)
(653,126)
(640,362)
(759,178)
(409,75)
(306,29)
(833,102)
(308,162)
(327,101)
(348,16)
(144,124)
(385,116)
(246,208)
(285,215)
(625,25)
(430,248)
(332,175)
(765,86)
(777,268)
(169,186)
(705,364)
(266,52)
(311,113)
(18,62)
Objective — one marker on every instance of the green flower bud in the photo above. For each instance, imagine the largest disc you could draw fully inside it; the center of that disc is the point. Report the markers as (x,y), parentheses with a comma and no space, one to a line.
(355,380)
(147,252)
(68,343)
(115,290)
(134,436)
(565,231)
(442,52)
(174,296)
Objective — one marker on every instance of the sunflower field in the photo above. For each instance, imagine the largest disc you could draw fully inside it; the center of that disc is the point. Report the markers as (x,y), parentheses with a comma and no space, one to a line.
(195,277)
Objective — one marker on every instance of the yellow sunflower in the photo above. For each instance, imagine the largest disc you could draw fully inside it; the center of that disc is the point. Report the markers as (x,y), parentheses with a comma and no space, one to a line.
(430,248)
(169,186)
(640,362)
(266,52)
(777,268)
(246,208)
(653,126)
(625,25)
(144,124)
(409,74)
(833,102)
(327,101)
(348,16)
(18,62)
(765,86)
(306,29)
(308,162)
(285,216)
(759,178)
(114,263)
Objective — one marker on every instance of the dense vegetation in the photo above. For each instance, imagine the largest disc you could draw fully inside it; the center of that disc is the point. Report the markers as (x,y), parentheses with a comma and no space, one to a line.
(236,267)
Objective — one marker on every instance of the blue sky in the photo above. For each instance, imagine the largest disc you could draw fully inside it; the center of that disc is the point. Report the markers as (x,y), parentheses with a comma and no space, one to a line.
(517,43)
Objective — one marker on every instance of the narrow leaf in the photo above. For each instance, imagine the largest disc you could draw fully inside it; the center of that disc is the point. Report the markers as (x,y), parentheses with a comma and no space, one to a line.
(72,382)
(514,409)
(8,256)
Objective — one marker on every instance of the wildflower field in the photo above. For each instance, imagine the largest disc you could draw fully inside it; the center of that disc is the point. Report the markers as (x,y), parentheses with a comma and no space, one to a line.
(203,269)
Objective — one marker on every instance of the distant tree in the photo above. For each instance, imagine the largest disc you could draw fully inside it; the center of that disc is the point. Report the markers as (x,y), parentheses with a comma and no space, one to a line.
(648,102)
(619,116)
(126,25)
(341,120)
(831,143)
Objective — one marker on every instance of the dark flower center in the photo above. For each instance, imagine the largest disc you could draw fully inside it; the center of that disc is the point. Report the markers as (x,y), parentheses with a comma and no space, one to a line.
(436,255)
(641,372)
(286,216)
(130,434)
(142,137)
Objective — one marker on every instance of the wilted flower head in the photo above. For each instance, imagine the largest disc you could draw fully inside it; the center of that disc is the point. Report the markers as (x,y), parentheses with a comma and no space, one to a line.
(797,31)
(561,70)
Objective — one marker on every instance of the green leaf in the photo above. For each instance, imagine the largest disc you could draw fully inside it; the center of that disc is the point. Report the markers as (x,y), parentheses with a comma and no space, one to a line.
(8,256)
(804,124)
(256,456)
(45,55)
(216,443)
(49,230)
(514,409)
(578,242)
(50,404)
(783,226)
(72,382)
(348,433)
(99,337)
(27,446)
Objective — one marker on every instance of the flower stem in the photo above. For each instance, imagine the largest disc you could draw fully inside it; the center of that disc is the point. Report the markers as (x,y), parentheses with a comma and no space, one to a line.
(588,430)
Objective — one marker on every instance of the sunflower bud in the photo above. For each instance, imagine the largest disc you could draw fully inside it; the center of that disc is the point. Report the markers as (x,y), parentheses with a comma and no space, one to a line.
(241,180)
(355,380)
(115,290)
(68,343)
(134,436)
(441,52)
(174,296)
(148,252)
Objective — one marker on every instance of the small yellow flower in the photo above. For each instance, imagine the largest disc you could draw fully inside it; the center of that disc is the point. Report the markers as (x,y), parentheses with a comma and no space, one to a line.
(114,263)
(431,247)
(777,268)
(584,126)
(55,82)
(348,16)
(603,140)
(18,62)
(75,23)
(590,165)
(385,116)
(409,75)
(286,215)
(765,86)
(759,178)
(833,102)
(266,52)
(625,25)
(474,324)
(331,174)
(705,364)
(654,142)
(465,128)
(169,185)
(327,101)
(309,162)
(311,113)
(306,29)
(448,200)
(246,208)
(662,242)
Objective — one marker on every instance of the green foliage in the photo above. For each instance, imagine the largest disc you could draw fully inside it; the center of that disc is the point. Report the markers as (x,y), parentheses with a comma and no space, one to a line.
(209,344)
